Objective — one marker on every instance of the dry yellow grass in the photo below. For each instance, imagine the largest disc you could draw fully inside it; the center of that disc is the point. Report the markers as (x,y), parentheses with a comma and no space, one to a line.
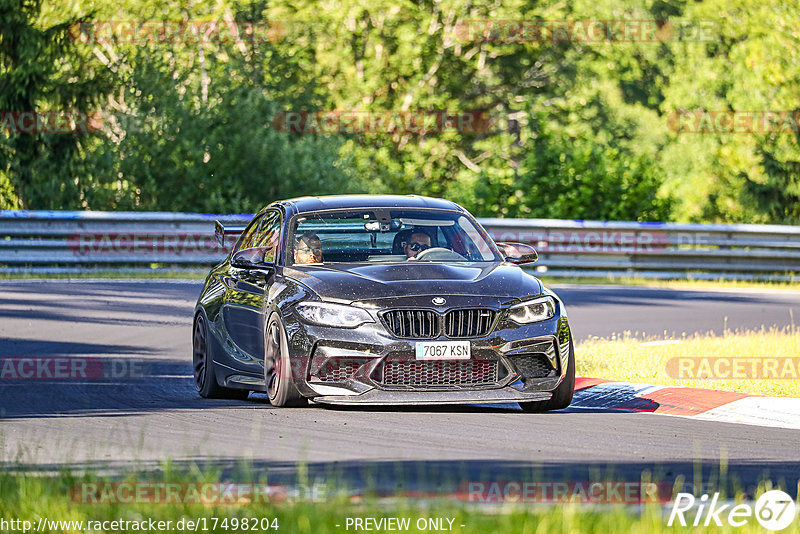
(765,362)
(792,285)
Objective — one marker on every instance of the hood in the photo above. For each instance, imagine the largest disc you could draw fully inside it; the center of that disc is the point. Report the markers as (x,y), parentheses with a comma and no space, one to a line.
(376,281)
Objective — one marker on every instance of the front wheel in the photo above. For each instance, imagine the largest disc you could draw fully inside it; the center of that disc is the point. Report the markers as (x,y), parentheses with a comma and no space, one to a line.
(278,376)
(562,395)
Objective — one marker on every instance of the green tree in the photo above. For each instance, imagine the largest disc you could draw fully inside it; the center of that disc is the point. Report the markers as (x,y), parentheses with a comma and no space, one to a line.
(42,70)
(573,178)
(388,56)
(188,126)
(751,65)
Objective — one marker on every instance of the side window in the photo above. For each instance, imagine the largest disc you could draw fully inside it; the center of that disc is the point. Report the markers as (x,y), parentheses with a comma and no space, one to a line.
(246,239)
(269,235)
(470,236)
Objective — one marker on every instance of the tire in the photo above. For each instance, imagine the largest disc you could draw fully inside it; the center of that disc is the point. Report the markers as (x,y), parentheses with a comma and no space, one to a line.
(562,395)
(278,379)
(205,379)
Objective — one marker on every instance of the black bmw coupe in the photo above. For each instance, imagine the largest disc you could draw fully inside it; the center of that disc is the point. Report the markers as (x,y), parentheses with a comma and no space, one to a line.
(379,300)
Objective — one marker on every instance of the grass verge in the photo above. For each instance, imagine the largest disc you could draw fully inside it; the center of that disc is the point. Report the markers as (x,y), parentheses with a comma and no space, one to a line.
(673,284)
(764,362)
(53,499)
(108,275)
(200,274)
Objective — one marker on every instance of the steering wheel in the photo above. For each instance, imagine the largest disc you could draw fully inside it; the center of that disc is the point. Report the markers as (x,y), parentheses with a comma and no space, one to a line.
(439,254)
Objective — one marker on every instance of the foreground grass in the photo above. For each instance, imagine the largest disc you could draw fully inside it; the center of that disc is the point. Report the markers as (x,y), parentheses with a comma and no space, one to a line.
(26,497)
(628,359)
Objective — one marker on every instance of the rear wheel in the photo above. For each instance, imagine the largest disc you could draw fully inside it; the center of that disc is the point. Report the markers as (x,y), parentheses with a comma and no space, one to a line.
(205,379)
(278,376)
(562,395)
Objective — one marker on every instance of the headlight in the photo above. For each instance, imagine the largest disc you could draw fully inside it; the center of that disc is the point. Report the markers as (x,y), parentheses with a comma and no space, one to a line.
(329,314)
(532,311)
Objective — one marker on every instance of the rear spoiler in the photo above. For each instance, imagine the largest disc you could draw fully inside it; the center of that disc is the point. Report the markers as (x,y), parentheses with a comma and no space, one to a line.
(221,232)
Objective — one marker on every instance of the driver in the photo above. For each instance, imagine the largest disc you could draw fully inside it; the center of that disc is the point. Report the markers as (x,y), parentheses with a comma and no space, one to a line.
(308,249)
(417,242)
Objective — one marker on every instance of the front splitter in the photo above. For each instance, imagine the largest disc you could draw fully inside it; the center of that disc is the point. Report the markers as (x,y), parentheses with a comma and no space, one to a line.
(379,397)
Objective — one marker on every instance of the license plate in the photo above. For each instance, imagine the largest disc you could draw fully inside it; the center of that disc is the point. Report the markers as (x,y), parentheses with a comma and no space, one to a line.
(443,350)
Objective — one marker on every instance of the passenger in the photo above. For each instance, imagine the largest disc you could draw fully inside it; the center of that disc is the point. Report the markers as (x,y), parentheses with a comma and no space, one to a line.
(417,242)
(308,249)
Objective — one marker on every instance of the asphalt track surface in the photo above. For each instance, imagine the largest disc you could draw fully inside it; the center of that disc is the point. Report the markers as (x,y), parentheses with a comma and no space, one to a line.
(134,424)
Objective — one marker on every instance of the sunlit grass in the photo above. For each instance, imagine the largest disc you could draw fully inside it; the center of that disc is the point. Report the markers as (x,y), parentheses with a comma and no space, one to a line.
(109,275)
(31,497)
(200,273)
(674,284)
(628,359)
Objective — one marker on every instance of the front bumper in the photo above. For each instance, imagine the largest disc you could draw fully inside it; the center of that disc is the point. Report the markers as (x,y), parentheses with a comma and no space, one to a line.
(367,365)
(381,397)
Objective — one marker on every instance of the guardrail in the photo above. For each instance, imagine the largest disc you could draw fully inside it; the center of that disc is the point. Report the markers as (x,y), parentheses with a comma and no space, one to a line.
(81,241)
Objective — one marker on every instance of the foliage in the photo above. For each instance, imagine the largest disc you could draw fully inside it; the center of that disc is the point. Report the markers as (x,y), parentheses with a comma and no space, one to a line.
(563,178)
(578,129)
(749,66)
(41,71)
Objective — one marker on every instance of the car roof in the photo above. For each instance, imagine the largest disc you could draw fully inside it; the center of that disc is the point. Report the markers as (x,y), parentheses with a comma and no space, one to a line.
(332,202)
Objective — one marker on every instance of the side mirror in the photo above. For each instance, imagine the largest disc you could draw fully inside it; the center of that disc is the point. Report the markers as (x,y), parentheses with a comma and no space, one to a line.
(518,253)
(254,258)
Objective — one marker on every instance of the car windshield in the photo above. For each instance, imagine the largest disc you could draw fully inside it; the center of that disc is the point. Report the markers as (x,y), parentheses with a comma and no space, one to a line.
(387,236)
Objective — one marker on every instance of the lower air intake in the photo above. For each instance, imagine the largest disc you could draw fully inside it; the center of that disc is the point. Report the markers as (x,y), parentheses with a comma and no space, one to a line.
(420,374)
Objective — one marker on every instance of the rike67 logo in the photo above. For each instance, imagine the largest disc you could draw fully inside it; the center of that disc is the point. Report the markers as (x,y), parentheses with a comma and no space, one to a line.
(774,510)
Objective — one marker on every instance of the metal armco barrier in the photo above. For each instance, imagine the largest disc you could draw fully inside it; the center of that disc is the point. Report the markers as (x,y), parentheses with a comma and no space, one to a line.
(86,240)
(656,250)
(76,241)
